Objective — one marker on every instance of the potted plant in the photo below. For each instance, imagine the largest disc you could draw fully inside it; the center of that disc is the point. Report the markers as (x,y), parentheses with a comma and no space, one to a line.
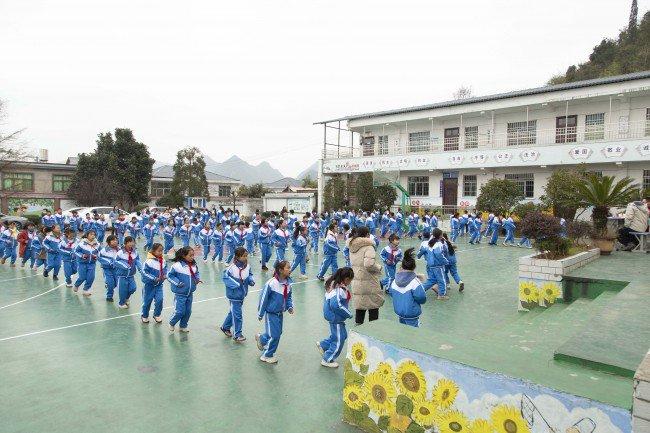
(602,193)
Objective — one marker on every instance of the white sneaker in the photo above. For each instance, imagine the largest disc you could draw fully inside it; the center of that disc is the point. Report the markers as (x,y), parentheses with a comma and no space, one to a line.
(320,349)
(186,330)
(205,261)
(260,346)
(271,360)
(144,319)
(85,293)
(171,328)
(68,284)
(302,277)
(332,364)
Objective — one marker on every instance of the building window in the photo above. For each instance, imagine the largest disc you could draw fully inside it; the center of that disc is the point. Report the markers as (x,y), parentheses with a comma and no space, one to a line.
(469,185)
(522,133)
(566,128)
(368,146)
(160,189)
(471,137)
(451,139)
(419,141)
(18,182)
(224,190)
(383,144)
(418,186)
(595,126)
(526,181)
(646,181)
(61,182)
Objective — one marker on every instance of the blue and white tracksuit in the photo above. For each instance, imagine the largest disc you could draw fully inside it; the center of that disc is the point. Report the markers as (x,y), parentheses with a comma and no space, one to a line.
(455,224)
(10,243)
(413,226)
(27,254)
(66,247)
(149,232)
(127,263)
(265,244)
(237,279)
(330,249)
(314,235)
(391,257)
(280,240)
(185,233)
(249,240)
(168,236)
(86,254)
(476,231)
(51,244)
(217,240)
(255,225)
(408,295)
(462,224)
(37,247)
(509,225)
(100,229)
(154,271)
(134,229)
(495,226)
(48,221)
(385,223)
(275,299)
(488,225)
(205,236)
(231,244)
(336,312)
(196,231)
(300,254)
(436,263)
(399,222)
(451,268)
(106,258)
(183,278)
(524,242)
(120,227)
(87,224)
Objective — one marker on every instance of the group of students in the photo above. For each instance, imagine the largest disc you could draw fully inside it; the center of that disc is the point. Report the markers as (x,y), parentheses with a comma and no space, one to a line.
(471,226)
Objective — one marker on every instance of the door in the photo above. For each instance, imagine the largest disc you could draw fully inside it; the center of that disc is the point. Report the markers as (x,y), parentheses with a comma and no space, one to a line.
(449,191)
(565,129)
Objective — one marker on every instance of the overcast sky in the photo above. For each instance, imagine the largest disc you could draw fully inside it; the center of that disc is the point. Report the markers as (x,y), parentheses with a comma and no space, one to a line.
(250,77)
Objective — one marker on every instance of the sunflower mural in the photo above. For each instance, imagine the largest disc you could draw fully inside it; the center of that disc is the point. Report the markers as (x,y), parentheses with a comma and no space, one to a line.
(538,292)
(549,293)
(528,294)
(385,396)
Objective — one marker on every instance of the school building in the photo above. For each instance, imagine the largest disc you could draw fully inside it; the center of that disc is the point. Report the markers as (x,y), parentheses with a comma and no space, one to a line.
(443,153)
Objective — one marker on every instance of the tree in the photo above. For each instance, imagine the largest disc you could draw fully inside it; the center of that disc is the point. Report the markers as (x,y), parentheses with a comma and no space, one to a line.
(630,52)
(334,193)
(561,192)
(257,190)
(499,196)
(308,182)
(365,192)
(11,149)
(189,176)
(602,192)
(463,92)
(124,167)
(385,196)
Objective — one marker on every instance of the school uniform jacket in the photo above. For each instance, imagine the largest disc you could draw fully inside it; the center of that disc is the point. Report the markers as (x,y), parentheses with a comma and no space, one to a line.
(390,256)
(276,297)
(335,306)
(330,245)
(408,294)
(280,238)
(107,257)
(183,278)
(153,269)
(125,267)
(237,281)
(87,249)
(66,247)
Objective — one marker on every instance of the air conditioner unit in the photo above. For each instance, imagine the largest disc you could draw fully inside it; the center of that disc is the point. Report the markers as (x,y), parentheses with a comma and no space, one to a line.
(42,155)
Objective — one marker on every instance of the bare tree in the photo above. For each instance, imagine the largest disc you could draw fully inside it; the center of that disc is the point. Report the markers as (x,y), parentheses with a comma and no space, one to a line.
(11,148)
(463,92)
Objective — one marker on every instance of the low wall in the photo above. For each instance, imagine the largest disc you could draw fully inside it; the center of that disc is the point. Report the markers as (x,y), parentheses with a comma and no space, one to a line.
(391,389)
(540,280)
(641,405)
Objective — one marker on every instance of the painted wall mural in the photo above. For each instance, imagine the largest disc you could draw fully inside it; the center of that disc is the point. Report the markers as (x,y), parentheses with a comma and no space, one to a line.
(391,389)
(535,292)
(33,204)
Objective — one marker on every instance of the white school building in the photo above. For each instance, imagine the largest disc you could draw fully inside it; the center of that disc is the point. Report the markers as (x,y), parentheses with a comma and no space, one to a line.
(444,152)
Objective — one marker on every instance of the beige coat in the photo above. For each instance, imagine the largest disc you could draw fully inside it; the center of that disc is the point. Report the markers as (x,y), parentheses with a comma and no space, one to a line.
(636,216)
(366,291)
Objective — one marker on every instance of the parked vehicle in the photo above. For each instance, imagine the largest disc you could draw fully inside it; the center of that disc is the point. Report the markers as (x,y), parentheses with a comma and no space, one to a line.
(101,210)
(20,221)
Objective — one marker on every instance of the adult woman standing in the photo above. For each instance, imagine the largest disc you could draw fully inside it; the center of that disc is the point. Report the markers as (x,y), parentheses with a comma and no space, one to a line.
(366,290)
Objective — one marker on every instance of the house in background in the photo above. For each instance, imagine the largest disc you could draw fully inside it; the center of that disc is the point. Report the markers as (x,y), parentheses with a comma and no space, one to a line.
(283,184)
(220,187)
(35,184)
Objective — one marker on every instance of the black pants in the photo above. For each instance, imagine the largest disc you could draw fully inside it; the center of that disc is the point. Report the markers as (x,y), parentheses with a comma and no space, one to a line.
(625,237)
(360,316)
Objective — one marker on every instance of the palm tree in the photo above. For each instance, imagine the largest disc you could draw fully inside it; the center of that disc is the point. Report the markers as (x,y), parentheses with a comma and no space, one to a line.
(602,192)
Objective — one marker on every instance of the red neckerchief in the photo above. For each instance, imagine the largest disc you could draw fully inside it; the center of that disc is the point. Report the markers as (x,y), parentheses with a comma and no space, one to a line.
(285,288)
(285,233)
(347,293)
(191,270)
(130,260)
(392,254)
(160,263)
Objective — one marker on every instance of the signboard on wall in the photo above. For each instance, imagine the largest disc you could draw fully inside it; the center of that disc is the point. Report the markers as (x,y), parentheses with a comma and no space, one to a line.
(298,204)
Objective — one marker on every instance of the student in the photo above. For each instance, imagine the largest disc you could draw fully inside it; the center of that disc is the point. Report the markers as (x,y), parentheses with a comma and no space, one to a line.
(451,268)
(407,292)
(205,236)
(455,224)
(390,255)
(87,223)
(186,233)
(149,232)
(154,274)
(168,236)
(48,220)
(336,312)
(249,239)
(265,243)
(231,242)
(347,235)
(300,250)
(127,263)
(25,240)
(196,231)
(51,244)
(275,299)
(66,247)
(217,239)
(413,225)
(524,242)
(86,253)
(330,249)
(509,225)
(10,240)
(183,277)
(495,226)
(237,278)
(100,227)
(280,240)
(39,254)
(314,234)
(477,223)
(119,228)
(463,224)
(107,257)
(436,262)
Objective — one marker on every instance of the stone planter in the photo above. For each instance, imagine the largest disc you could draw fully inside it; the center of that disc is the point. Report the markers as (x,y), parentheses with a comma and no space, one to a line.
(540,280)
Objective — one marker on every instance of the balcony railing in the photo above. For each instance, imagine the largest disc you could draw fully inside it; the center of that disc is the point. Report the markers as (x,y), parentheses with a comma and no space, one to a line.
(595,133)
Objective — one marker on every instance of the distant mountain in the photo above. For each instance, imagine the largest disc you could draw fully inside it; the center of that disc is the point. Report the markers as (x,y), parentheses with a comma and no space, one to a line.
(237,168)
(311,171)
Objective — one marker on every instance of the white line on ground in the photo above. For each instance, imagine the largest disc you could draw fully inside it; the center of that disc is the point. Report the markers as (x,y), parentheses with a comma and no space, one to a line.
(19,278)
(76,325)
(32,297)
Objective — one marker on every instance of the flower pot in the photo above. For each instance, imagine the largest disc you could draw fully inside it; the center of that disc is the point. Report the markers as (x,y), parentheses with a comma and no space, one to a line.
(606,246)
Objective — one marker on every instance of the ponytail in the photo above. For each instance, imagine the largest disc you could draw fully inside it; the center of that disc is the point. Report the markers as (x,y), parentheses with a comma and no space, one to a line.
(435,236)
(338,277)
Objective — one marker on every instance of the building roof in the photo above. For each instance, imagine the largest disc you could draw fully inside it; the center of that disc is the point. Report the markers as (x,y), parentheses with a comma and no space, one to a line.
(37,165)
(167,171)
(498,96)
(283,183)
(72,160)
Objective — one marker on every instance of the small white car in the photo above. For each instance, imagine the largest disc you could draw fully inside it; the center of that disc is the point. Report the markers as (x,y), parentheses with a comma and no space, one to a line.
(101,210)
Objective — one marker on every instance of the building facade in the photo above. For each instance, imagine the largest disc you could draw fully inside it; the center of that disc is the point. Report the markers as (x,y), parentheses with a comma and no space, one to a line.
(443,153)
(220,187)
